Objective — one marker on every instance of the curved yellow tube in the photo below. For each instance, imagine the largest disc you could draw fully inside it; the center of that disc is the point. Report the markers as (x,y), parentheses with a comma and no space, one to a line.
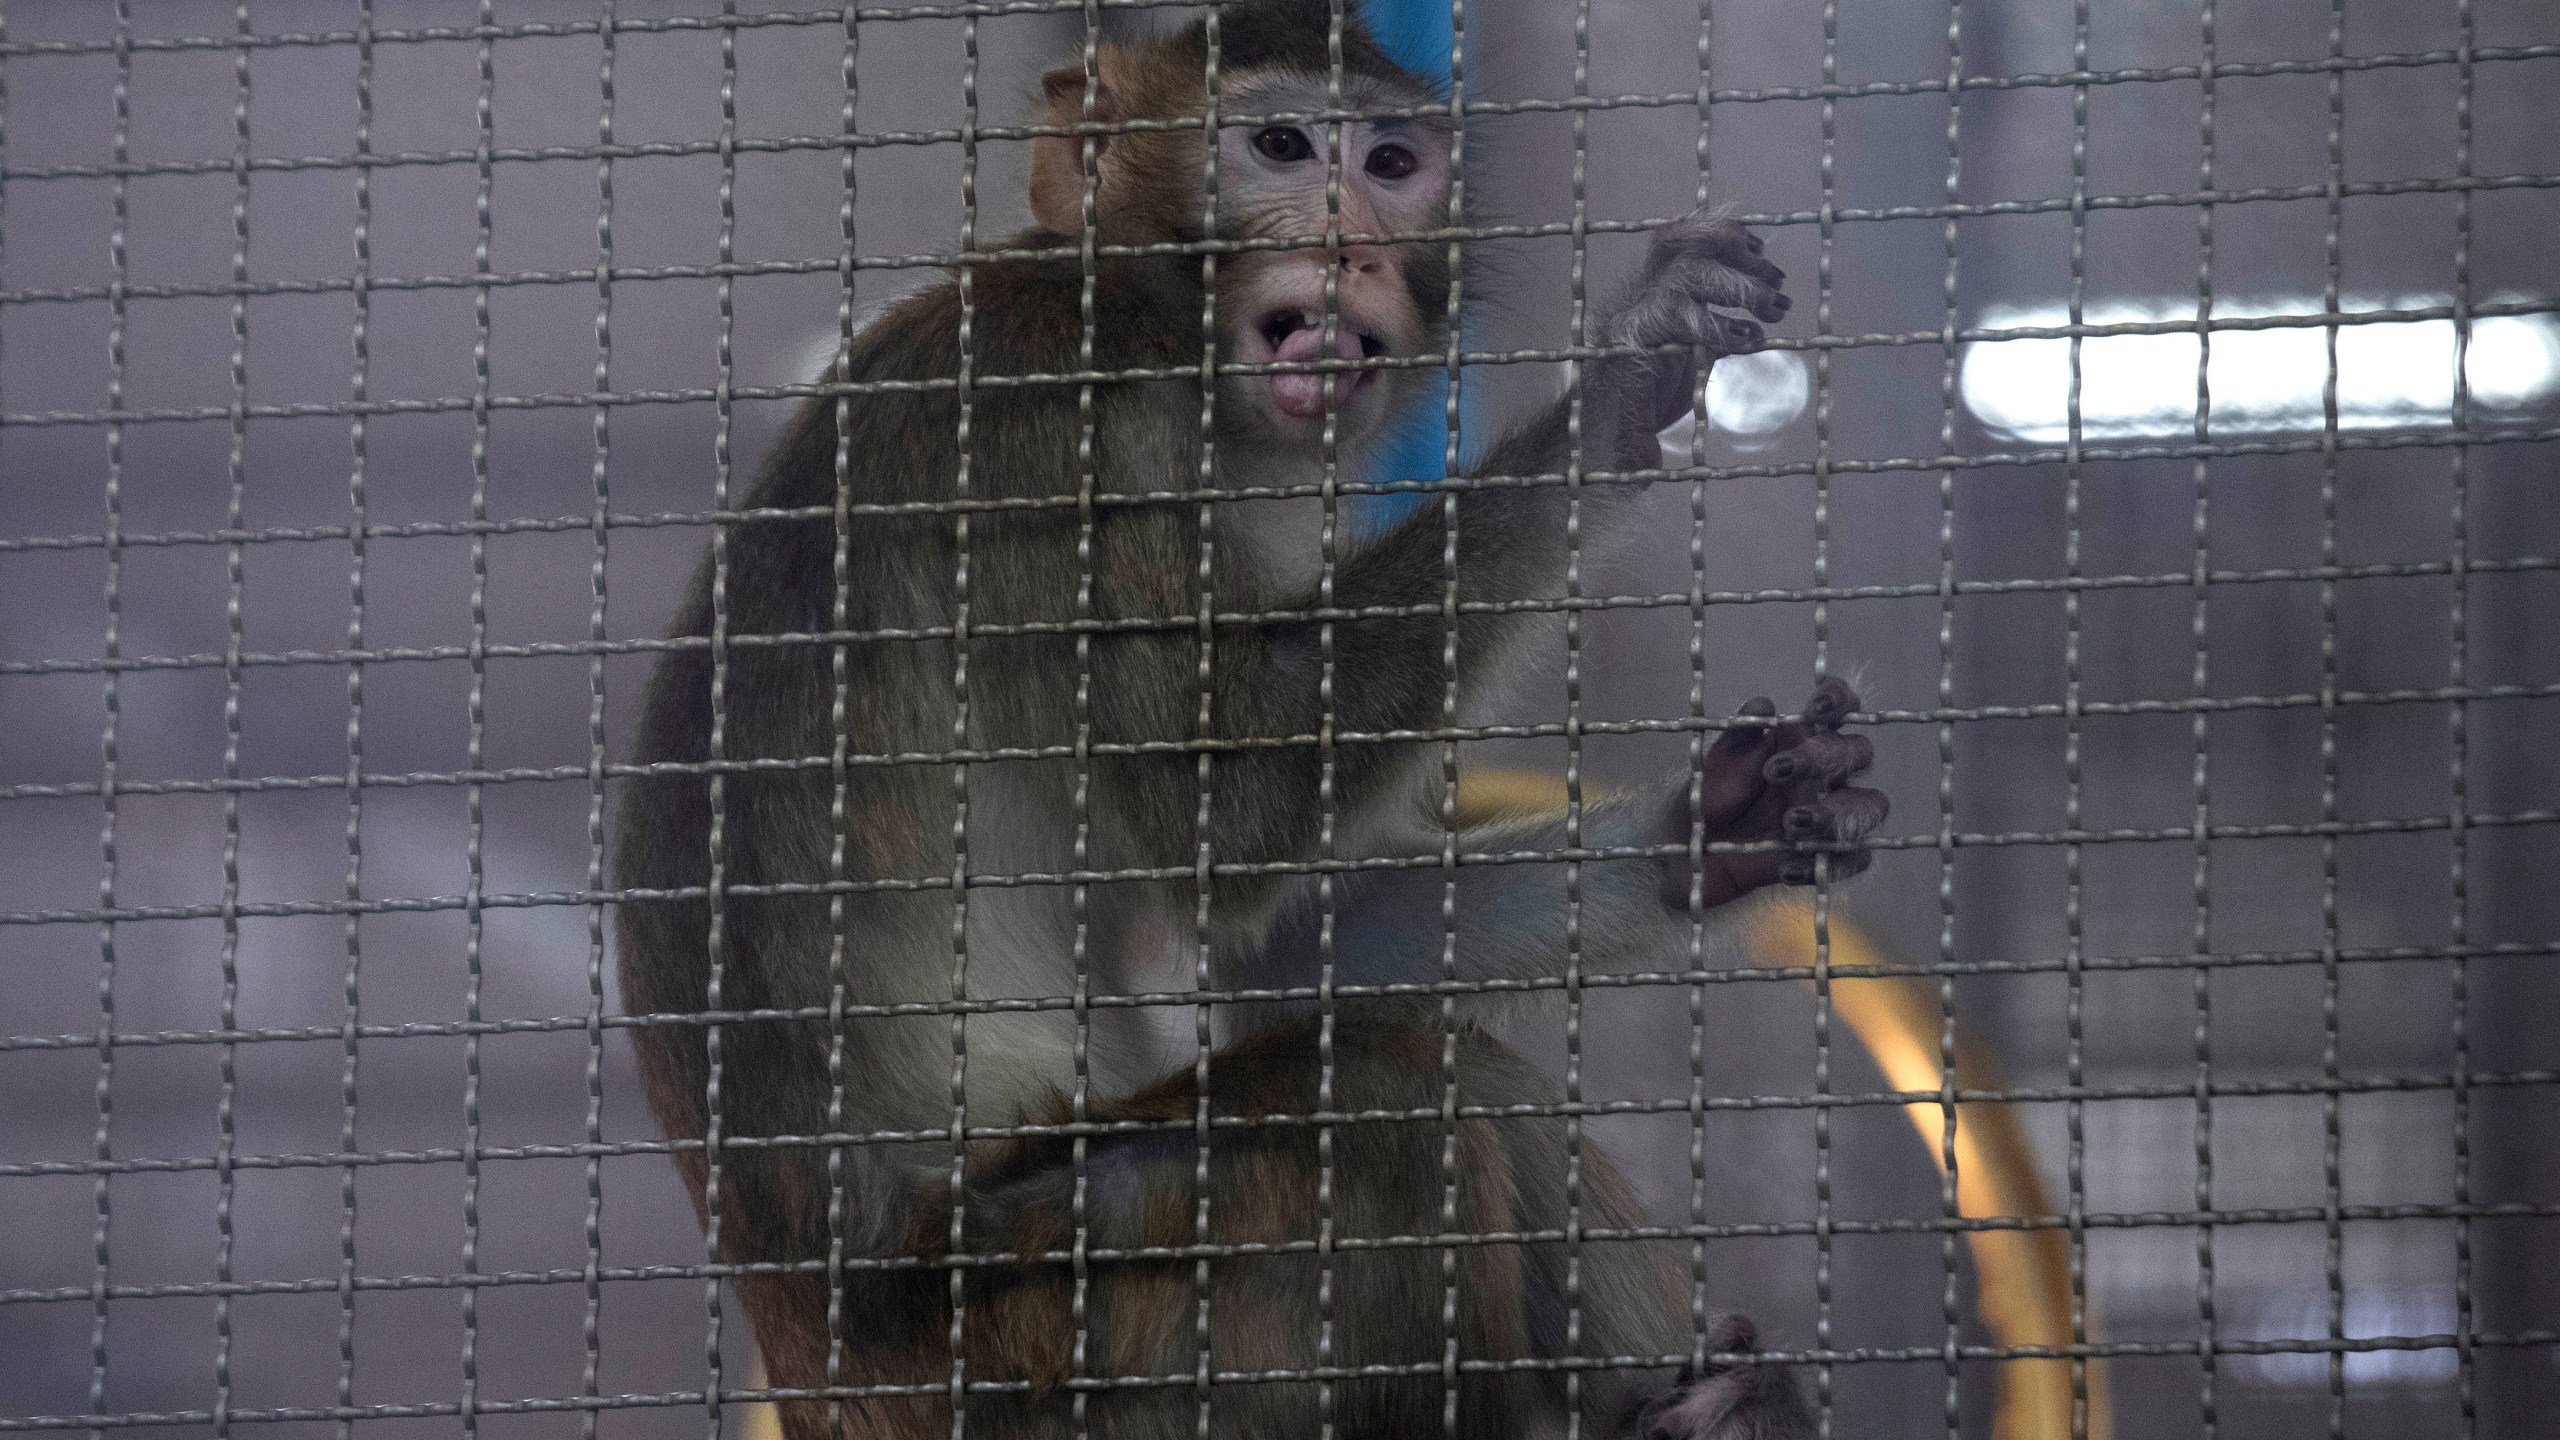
(2023,1277)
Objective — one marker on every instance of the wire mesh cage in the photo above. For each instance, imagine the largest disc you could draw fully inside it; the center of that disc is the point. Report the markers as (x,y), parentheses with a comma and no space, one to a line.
(2161,439)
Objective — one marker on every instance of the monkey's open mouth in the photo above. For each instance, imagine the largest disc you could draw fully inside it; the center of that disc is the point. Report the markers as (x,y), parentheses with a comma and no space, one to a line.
(1295,336)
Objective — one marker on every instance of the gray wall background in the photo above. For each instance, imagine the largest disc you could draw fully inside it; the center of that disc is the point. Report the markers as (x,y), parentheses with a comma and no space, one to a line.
(2007,905)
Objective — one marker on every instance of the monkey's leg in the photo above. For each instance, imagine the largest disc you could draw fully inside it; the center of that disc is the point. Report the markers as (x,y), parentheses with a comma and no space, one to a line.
(1264,1308)
(1389,1191)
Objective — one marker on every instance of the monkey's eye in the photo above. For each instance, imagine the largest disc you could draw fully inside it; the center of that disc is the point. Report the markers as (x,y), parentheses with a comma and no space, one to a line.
(1282,144)
(1391,162)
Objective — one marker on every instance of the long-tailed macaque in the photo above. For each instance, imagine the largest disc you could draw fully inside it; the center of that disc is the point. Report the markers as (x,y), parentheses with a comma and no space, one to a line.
(1158,686)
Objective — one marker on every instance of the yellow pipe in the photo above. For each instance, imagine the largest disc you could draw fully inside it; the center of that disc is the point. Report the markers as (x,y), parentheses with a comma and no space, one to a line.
(2023,1277)
(764,1419)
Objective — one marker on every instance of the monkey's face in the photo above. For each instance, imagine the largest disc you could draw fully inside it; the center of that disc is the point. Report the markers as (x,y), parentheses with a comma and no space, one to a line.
(1281,181)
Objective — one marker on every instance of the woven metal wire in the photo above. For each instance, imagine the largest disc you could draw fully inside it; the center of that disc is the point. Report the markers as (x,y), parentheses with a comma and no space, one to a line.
(502,906)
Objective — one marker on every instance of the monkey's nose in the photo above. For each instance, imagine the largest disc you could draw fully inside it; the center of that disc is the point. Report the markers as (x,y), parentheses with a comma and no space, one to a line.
(1365,259)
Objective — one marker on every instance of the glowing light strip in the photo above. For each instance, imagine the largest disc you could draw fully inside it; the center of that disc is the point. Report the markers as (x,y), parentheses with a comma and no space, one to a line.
(2392,375)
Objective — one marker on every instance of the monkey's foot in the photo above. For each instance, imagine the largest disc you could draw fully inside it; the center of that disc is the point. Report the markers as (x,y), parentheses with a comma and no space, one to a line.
(1787,782)
(1732,1400)
(1697,269)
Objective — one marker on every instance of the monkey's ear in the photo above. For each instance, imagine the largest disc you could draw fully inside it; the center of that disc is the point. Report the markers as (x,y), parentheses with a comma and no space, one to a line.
(1057,161)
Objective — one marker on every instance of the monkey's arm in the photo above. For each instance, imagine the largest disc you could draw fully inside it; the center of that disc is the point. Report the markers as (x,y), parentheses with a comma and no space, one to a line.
(1510,542)
(1511,532)
(1696,270)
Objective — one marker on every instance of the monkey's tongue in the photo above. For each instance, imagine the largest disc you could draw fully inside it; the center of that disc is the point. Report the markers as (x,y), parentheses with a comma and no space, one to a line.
(1301,395)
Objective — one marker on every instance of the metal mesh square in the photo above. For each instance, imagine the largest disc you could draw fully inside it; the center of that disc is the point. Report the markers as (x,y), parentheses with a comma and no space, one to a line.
(2164,447)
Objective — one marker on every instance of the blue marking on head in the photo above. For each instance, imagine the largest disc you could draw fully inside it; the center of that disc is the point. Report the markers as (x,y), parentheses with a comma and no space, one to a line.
(1418,35)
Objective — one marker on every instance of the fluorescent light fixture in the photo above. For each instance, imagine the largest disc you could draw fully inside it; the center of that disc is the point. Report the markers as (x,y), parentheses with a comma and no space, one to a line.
(2392,374)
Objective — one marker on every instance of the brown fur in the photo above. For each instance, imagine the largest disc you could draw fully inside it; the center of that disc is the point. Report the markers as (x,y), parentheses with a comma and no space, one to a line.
(797,941)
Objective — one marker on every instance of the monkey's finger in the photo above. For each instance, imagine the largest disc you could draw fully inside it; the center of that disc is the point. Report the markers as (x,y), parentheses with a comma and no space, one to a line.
(1731,781)
(1841,818)
(1712,242)
(1752,287)
(1700,229)
(1856,812)
(1759,706)
(1695,315)
(1802,870)
(1747,264)
(1732,1335)
(1742,735)
(1840,866)
(1741,256)
(1837,817)
(1824,760)
(1767,273)
(1731,335)
(1819,763)
(1721,264)
(1727,241)
(1728,1399)
(1688,311)
(1717,332)
(1833,702)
